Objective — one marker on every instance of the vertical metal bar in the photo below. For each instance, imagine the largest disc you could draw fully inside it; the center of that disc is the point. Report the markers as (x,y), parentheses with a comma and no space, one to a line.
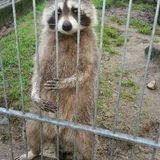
(133,152)
(57,75)
(140,101)
(156,142)
(6,105)
(98,76)
(38,69)
(18,55)
(117,106)
(77,81)
(20,74)
(41,137)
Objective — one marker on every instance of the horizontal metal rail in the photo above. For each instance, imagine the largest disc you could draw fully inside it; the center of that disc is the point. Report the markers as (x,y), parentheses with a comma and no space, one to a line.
(92,129)
(3,2)
(8,3)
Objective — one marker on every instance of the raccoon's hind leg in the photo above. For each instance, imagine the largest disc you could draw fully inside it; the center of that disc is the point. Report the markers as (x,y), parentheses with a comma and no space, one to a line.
(65,154)
(83,146)
(33,139)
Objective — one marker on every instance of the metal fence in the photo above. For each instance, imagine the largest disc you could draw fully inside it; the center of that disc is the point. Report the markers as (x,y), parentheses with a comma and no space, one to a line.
(6,3)
(112,134)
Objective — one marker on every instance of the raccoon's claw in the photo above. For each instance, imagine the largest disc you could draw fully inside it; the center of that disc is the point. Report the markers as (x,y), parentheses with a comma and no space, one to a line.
(53,84)
(17,158)
(45,103)
(21,158)
(47,106)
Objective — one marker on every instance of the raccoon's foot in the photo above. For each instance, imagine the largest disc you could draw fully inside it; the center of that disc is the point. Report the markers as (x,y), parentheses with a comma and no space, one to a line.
(24,156)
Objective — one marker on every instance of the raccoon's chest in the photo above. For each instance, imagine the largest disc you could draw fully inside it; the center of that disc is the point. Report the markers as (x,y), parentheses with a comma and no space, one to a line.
(67,60)
(67,65)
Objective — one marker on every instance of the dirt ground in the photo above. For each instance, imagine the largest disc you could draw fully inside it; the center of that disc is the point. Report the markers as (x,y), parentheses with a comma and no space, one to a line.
(135,64)
(150,119)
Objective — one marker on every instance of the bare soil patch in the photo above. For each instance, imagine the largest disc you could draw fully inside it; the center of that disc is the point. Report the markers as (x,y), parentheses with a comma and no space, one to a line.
(150,120)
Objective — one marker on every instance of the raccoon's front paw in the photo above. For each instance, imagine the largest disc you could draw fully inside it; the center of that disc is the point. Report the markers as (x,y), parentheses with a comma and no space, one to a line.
(54,84)
(44,104)
(48,106)
(30,156)
(22,157)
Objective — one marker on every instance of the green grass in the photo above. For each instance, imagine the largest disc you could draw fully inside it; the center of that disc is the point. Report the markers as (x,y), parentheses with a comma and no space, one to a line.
(129,90)
(118,20)
(22,8)
(10,62)
(111,37)
(108,85)
(158,30)
(146,7)
(142,26)
(109,3)
(119,41)
(99,3)
(121,3)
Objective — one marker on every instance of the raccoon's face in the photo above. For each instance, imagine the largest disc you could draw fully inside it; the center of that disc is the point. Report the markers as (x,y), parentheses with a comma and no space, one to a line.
(67,13)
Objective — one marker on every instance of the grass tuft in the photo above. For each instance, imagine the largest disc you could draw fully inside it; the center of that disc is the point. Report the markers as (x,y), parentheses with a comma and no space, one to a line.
(142,26)
(118,20)
(111,37)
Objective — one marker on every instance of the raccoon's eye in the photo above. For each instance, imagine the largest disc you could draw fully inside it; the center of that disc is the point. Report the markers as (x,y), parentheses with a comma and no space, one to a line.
(75,10)
(59,11)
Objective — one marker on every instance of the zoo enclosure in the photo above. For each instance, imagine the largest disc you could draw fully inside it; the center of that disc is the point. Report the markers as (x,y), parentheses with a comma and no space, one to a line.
(6,3)
(113,134)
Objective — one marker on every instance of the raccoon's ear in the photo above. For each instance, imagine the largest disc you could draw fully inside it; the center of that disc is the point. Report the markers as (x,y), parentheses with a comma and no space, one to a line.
(49,2)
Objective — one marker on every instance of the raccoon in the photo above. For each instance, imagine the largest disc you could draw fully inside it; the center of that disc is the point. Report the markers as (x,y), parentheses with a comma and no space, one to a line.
(46,86)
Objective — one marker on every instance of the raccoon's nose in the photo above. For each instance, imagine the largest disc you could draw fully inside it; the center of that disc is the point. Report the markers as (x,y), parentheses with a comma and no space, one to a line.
(67,26)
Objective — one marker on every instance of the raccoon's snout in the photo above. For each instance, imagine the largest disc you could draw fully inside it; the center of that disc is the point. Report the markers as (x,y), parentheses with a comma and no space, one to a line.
(67,26)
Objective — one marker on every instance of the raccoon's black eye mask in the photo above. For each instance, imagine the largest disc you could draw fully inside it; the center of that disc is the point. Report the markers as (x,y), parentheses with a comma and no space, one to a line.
(59,12)
(52,20)
(84,19)
(74,10)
